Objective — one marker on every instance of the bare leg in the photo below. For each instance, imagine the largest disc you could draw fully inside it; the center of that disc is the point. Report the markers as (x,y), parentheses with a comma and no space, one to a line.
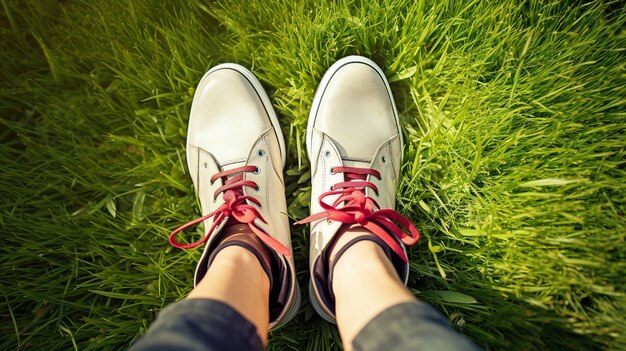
(236,278)
(364,283)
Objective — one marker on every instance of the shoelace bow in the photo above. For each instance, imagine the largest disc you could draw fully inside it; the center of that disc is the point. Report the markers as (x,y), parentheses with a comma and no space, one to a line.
(234,206)
(359,209)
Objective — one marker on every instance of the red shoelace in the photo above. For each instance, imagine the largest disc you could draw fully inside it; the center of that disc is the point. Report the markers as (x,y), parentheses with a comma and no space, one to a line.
(359,209)
(235,206)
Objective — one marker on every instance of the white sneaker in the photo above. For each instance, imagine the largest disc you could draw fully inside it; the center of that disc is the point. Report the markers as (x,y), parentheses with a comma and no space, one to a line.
(236,154)
(354,144)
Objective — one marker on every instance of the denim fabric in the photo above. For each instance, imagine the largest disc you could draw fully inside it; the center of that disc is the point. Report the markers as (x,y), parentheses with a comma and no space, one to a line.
(199,324)
(414,326)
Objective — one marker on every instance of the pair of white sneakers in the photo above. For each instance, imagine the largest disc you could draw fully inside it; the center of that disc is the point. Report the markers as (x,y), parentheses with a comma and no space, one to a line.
(236,155)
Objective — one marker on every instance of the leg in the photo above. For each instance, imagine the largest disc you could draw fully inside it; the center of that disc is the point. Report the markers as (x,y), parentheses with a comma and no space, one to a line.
(245,281)
(375,311)
(365,284)
(358,263)
(237,279)
(228,309)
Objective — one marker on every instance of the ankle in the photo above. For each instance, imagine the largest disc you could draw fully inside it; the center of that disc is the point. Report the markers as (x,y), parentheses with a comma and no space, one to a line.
(344,236)
(359,263)
(236,255)
(364,253)
(363,257)
(241,260)
(238,245)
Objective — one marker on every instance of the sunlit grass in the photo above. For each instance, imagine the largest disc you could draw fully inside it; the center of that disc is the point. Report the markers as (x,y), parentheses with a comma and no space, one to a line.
(514,164)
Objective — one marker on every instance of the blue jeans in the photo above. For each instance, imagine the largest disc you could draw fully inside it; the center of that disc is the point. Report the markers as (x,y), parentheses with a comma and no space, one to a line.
(201,324)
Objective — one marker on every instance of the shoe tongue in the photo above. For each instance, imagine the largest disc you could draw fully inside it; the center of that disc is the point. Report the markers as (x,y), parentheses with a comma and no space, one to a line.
(352,163)
(230,166)
(355,164)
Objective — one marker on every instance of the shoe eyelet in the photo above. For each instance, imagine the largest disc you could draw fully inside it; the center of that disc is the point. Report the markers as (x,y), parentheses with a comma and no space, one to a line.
(332,171)
(257,170)
(261,153)
(327,153)
(384,159)
(256,188)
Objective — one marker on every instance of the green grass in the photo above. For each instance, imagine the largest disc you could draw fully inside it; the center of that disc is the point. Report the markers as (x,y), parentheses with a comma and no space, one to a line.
(514,119)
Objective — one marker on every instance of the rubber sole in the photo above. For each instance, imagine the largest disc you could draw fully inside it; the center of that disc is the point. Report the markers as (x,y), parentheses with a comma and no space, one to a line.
(292,312)
(317,307)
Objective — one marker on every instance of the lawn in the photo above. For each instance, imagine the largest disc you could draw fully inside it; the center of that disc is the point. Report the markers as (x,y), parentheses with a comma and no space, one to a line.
(513,112)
